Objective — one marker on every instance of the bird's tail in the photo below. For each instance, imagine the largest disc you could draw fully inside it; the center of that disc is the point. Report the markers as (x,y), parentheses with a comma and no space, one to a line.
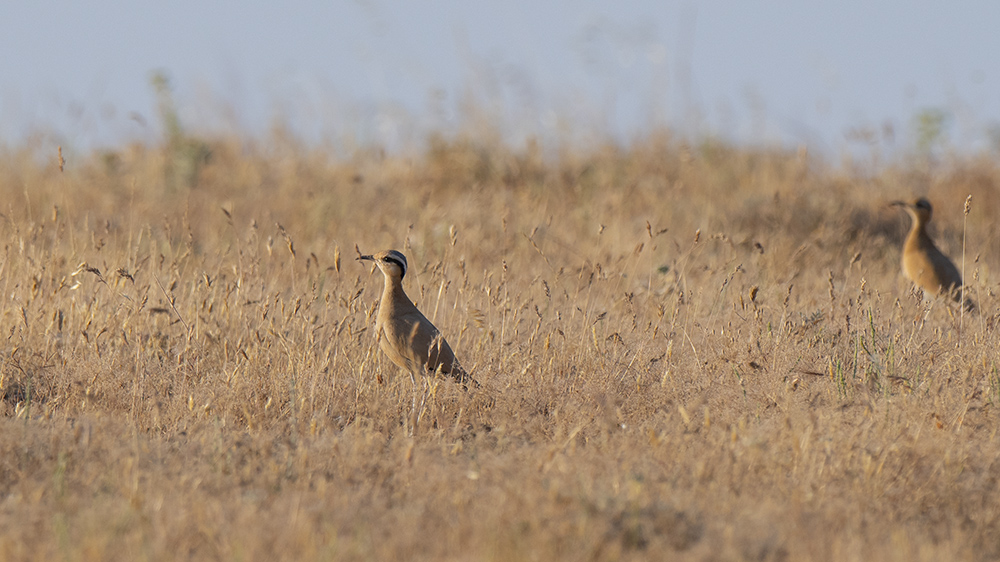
(463,378)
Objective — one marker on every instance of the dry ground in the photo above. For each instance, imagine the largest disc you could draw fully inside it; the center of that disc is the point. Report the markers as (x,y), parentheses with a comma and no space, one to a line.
(686,352)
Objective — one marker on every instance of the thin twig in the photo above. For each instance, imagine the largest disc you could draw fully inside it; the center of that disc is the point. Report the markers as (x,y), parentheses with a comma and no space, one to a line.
(965,222)
(171,303)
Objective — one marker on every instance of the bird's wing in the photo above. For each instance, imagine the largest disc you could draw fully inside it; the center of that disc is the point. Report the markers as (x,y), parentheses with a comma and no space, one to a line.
(946,270)
(430,347)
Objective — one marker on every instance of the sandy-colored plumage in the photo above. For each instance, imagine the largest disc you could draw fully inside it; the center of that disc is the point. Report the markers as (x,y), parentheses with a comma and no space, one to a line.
(923,263)
(405,335)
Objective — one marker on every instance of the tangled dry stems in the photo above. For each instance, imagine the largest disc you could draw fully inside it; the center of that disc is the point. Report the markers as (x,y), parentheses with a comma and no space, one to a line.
(692,352)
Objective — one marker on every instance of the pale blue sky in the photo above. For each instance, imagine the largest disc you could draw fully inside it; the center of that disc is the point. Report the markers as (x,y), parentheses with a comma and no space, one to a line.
(388,72)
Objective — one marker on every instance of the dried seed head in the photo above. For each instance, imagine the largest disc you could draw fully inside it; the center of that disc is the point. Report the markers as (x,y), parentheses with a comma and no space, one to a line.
(288,239)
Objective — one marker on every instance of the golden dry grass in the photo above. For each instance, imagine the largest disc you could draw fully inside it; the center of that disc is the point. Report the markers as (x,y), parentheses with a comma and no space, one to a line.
(687,352)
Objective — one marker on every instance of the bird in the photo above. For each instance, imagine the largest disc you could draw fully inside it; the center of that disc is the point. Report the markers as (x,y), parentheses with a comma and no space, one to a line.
(923,263)
(404,334)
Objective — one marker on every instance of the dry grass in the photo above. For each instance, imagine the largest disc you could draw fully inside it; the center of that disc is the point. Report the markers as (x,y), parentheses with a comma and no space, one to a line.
(686,353)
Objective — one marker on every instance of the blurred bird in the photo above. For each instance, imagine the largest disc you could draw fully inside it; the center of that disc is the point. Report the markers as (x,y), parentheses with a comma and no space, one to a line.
(923,263)
(405,335)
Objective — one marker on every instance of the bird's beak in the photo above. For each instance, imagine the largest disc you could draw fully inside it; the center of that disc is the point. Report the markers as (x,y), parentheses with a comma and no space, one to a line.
(371,258)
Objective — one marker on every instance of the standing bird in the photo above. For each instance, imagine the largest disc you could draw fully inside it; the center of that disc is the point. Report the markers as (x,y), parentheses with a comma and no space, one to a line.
(405,335)
(923,263)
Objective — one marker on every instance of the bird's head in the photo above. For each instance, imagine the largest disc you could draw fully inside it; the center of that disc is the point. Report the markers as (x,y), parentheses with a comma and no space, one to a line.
(391,262)
(920,209)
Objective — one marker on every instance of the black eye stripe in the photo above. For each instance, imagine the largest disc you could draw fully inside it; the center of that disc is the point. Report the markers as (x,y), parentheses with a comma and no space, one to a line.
(395,261)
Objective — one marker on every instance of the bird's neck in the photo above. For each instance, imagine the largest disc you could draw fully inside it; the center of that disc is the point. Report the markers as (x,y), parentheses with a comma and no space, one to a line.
(393,292)
(918,234)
